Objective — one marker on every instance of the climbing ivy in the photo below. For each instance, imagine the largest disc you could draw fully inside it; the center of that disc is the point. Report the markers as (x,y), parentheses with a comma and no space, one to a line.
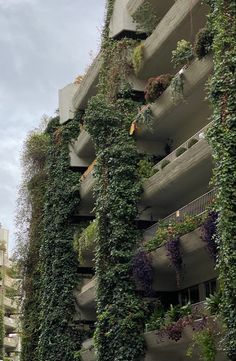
(59,338)
(120,312)
(2,332)
(30,214)
(222,137)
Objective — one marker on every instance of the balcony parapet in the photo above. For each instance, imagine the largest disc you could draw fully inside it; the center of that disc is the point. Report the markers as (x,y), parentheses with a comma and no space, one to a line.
(11,343)
(10,304)
(10,323)
(87,352)
(182,21)
(160,7)
(170,115)
(178,182)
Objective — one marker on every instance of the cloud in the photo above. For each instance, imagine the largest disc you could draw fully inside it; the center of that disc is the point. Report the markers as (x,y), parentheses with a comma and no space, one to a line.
(44,45)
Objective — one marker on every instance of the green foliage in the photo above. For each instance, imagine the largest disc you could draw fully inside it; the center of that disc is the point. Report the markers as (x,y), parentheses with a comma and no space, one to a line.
(203,43)
(164,163)
(205,342)
(145,168)
(167,229)
(222,138)
(33,190)
(145,17)
(160,319)
(156,318)
(137,58)
(183,54)
(145,117)
(213,303)
(180,151)
(58,261)
(177,87)
(2,332)
(156,86)
(84,241)
(118,188)
(192,142)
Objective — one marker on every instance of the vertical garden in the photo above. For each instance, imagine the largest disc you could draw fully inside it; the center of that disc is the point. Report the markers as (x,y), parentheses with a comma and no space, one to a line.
(51,197)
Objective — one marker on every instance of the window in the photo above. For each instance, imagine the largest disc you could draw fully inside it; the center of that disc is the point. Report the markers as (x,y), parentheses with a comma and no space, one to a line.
(210,287)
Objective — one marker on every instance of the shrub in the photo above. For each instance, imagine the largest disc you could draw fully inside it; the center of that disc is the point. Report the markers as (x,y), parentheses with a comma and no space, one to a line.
(156,86)
(203,42)
(164,163)
(137,58)
(183,53)
(180,151)
(145,169)
(192,142)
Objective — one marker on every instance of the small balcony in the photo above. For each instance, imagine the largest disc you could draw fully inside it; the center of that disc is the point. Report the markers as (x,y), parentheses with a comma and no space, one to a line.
(160,7)
(87,352)
(182,21)
(10,304)
(86,192)
(182,176)
(83,149)
(85,299)
(179,119)
(10,343)
(10,323)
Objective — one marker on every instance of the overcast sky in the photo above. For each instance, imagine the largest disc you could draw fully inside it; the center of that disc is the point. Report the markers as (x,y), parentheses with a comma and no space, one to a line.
(44,45)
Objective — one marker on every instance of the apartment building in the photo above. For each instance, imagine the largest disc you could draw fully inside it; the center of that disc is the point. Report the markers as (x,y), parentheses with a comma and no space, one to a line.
(178,188)
(9,308)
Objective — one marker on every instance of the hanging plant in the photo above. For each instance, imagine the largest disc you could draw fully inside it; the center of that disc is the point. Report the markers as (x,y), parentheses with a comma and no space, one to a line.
(143,271)
(145,117)
(177,87)
(174,255)
(209,229)
(138,57)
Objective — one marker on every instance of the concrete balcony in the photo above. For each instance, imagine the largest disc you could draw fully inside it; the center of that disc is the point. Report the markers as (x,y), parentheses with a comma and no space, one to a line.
(10,304)
(121,23)
(182,21)
(194,252)
(186,177)
(10,343)
(179,119)
(86,303)
(86,194)
(87,352)
(88,86)
(82,150)
(10,282)
(10,323)
(160,7)
(167,349)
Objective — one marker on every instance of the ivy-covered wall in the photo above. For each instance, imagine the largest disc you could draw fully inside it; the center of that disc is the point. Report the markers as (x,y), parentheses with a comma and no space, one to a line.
(59,337)
(120,311)
(32,194)
(222,137)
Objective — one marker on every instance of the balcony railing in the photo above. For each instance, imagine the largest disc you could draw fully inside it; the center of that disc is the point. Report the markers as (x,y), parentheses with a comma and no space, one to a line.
(183,147)
(196,207)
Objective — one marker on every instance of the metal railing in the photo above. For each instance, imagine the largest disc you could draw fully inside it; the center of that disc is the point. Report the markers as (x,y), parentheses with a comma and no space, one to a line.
(185,146)
(195,208)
